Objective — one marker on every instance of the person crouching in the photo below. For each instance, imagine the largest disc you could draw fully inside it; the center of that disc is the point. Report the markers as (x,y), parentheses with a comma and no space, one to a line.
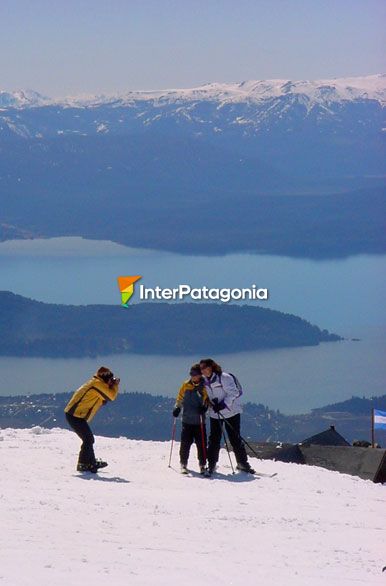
(82,407)
(193,399)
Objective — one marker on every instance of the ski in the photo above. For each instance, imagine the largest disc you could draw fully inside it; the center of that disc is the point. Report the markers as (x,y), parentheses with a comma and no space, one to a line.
(257,473)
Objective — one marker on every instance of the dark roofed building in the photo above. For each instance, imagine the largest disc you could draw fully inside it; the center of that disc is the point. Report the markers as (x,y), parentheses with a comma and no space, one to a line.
(330,437)
(329,450)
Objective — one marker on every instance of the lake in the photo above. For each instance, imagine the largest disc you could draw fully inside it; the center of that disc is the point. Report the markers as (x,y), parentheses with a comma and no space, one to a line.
(293,380)
(346,296)
(339,295)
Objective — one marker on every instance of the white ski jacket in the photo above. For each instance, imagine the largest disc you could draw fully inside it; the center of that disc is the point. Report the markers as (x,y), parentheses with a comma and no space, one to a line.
(223,388)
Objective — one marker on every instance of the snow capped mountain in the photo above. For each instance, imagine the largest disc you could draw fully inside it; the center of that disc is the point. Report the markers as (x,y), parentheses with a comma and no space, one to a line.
(22,99)
(141,523)
(371,87)
(244,109)
(326,127)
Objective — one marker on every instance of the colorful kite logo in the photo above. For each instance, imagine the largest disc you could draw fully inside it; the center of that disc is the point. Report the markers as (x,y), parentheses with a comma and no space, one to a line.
(126,287)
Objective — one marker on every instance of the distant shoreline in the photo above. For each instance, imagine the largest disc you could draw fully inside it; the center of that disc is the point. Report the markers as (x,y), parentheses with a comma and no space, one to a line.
(144,416)
(12,233)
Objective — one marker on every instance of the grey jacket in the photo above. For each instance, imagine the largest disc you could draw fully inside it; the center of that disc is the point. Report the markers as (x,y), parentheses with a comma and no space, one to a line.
(191,397)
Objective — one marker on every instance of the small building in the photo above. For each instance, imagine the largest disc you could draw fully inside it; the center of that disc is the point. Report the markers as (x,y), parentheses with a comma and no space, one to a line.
(330,437)
(329,450)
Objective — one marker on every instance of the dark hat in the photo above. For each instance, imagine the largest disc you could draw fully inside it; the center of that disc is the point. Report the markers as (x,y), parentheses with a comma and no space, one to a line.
(195,370)
(104,373)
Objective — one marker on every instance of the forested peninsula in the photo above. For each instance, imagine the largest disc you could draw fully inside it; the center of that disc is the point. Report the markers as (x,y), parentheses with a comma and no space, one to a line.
(33,328)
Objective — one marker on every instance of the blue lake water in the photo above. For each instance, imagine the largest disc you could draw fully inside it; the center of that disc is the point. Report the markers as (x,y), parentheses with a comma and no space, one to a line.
(293,380)
(345,296)
(339,295)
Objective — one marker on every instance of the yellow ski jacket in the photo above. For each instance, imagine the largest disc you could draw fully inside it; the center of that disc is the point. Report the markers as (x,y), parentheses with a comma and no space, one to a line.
(90,397)
(191,397)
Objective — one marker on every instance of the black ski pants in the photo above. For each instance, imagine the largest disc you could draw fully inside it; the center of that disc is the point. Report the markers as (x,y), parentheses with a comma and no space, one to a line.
(232,427)
(189,434)
(82,429)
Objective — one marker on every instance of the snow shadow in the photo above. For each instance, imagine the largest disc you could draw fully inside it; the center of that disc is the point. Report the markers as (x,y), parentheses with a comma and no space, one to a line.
(237,477)
(117,479)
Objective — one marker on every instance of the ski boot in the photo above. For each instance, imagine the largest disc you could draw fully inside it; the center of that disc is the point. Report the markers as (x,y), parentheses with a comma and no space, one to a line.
(245,467)
(100,463)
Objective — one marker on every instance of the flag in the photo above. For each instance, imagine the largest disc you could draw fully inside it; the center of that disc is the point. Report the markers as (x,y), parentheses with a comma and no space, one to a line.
(379,419)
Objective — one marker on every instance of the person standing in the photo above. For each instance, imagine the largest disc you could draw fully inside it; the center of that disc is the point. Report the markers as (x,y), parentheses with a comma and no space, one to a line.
(82,407)
(193,399)
(224,409)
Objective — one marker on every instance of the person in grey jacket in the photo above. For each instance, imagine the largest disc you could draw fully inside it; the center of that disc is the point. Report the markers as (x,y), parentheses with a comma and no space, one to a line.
(193,399)
(225,409)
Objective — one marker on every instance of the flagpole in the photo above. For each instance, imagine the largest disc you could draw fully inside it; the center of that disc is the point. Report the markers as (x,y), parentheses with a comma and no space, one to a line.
(372,429)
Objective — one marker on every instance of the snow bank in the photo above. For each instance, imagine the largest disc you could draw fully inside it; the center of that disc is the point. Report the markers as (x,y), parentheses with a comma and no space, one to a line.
(140,523)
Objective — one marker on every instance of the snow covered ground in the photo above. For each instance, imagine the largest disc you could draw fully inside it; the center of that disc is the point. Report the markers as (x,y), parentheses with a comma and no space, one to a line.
(139,522)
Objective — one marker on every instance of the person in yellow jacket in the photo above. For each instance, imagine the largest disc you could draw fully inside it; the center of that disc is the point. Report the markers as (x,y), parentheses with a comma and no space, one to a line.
(82,407)
(192,398)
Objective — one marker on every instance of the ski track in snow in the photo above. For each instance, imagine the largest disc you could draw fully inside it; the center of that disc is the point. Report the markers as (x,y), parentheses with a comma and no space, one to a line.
(139,522)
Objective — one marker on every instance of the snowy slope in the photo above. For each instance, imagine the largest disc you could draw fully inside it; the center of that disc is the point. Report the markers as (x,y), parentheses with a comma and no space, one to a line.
(140,523)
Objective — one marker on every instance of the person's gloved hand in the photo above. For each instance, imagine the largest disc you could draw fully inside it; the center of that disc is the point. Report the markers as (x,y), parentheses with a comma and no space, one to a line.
(218,406)
(203,409)
(176,411)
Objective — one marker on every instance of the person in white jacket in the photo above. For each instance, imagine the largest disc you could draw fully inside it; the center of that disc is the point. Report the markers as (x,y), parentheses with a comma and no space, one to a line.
(225,409)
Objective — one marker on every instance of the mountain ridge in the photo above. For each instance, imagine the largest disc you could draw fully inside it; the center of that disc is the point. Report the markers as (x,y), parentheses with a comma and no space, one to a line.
(321,91)
(132,161)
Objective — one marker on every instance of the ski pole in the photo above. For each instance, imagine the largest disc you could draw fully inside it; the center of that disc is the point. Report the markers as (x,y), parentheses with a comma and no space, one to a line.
(203,437)
(173,434)
(225,440)
(241,437)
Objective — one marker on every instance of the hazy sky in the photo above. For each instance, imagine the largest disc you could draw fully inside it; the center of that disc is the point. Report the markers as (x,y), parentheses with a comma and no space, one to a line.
(61,47)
